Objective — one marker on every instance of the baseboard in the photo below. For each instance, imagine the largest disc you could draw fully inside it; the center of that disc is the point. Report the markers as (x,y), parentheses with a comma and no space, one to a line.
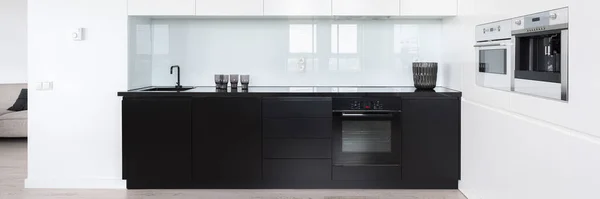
(88,183)
(466,192)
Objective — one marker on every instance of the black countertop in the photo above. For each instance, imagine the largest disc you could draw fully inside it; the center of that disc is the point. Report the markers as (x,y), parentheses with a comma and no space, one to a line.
(206,91)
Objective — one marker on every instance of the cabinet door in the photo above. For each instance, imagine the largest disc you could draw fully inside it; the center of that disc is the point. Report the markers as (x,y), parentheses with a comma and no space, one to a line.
(156,141)
(227,139)
(366,7)
(161,7)
(229,7)
(297,7)
(431,139)
(428,7)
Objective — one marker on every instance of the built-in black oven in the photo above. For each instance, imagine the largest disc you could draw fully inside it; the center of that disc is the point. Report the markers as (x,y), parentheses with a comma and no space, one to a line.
(367,132)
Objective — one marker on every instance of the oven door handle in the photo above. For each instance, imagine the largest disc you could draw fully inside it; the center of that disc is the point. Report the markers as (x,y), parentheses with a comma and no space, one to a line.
(366,165)
(367,115)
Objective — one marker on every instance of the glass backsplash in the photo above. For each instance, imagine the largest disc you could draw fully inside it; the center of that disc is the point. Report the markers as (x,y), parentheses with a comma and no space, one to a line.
(283,52)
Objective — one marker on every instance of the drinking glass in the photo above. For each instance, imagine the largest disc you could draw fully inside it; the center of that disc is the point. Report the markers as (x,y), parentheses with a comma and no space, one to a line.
(245,79)
(225,81)
(234,79)
(218,80)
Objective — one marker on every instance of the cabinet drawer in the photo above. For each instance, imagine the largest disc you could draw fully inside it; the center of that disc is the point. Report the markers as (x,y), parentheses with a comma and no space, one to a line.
(297,128)
(387,173)
(297,170)
(297,107)
(297,148)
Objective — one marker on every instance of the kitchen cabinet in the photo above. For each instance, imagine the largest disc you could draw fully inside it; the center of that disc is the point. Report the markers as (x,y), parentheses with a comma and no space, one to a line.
(161,7)
(297,107)
(214,140)
(431,135)
(297,7)
(366,7)
(297,170)
(428,8)
(297,148)
(229,7)
(156,146)
(227,137)
(297,127)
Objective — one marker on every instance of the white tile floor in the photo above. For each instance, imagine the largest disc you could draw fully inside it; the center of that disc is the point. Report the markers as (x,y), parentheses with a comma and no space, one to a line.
(13,171)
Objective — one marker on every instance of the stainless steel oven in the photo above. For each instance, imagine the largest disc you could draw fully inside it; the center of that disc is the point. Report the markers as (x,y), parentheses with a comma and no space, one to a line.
(367,132)
(495,49)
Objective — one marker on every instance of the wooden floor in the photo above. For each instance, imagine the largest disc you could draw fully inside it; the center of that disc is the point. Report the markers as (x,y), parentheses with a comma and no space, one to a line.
(13,171)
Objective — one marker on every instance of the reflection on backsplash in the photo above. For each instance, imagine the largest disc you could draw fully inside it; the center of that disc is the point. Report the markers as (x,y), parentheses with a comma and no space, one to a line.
(274,52)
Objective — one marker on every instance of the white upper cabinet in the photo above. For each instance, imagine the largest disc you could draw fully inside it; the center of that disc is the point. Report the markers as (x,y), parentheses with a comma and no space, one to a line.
(408,8)
(366,7)
(229,7)
(161,7)
(297,7)
(428,7)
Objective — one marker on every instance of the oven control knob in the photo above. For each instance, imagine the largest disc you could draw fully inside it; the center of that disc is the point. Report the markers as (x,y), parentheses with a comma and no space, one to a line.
(355,105)
(553,16)
(518,22)
(377,105)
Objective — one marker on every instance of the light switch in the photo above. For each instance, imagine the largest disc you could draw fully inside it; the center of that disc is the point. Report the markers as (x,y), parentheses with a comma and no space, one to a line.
(39,86)
(77,34)
(48,86)
(44,86)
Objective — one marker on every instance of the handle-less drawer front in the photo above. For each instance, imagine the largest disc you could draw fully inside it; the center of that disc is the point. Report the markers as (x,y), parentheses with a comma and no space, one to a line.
(297,128)
(388,173)
(297,107)
(297,148)
(297,169)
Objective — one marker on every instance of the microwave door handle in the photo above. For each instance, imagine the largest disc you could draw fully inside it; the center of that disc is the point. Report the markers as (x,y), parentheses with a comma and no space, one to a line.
(489,45)
(485,45)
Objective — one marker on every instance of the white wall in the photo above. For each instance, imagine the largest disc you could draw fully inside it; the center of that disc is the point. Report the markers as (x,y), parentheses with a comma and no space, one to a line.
(510,156)
(517,146)
(75,129)
(13,41)
(370,52)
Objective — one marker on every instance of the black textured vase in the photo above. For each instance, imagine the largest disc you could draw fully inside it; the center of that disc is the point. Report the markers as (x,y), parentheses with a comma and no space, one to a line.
(425,74)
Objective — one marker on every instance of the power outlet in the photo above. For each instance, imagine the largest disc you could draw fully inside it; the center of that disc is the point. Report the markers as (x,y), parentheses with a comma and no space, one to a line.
(302,64)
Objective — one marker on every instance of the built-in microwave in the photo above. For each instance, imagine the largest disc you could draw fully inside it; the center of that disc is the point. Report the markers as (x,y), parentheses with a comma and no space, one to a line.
(495,49)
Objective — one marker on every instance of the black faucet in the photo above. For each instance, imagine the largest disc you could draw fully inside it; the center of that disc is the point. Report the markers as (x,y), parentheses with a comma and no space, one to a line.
(178,75)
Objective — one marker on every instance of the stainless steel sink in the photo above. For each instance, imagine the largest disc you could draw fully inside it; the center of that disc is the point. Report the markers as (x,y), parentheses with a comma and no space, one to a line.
(168,89)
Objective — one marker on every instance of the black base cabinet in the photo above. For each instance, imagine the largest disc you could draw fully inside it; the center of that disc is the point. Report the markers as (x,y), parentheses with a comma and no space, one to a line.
(431,139)
(255,142)
(156,142)
(226,139)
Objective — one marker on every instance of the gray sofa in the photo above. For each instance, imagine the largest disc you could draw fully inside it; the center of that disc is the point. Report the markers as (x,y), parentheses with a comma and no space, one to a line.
(12,124)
